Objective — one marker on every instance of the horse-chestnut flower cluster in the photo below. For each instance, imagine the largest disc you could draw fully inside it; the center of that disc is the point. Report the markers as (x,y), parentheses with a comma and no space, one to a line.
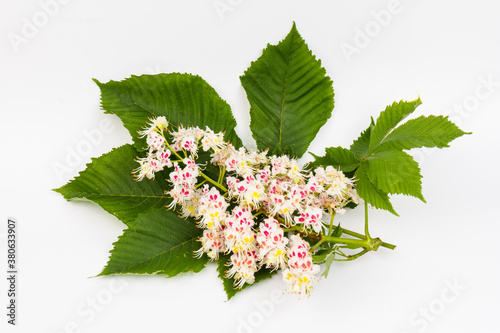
(254,207)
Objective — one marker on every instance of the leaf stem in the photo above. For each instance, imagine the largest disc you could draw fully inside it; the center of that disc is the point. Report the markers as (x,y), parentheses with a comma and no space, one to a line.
(347,232)
(351,257)
(355,242)
(367,233)
(358,235)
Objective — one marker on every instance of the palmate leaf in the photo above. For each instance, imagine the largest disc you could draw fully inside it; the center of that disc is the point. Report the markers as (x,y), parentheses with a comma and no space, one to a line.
(290,96)
(184,99)
(386,168)
(160,243)
(107,181)
(229,283)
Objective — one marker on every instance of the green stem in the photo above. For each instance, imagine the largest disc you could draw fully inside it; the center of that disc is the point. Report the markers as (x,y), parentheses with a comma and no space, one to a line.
(347,232)
(173,151)
(221,175)
(258,213)
(294,228)
(203,182)
(353,256)
(213,181)
(331,224)
(317,245)
(358,235)
(367,233)
(356,242)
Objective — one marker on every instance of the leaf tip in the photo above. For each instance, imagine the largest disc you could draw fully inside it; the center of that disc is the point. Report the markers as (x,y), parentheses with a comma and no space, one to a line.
(418,101)
(421,197)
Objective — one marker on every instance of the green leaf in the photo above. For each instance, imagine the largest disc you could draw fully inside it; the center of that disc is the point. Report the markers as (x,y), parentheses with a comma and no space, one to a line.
(328,263)
(370,192)
(337,232)
(229,283)
(107,181)
(361,145)
(290,96)
(161,243)
(184,99)
(386,169)
(320,256)
(389,119)
(431,131)
(338,157)
(395,172)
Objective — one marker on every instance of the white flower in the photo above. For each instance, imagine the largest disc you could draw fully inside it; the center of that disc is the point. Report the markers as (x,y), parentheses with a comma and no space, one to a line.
(147,167)
(311,218)
(281,206)
(300,274)
(212,208)
(238,232)
(243,268)
(294,172)
(280,165)
(300,282)
(160,123)
(184,181)
(163,156)
(211,140)
(156,124)
(212,244)
(155,141)
(271,244)
(186,139)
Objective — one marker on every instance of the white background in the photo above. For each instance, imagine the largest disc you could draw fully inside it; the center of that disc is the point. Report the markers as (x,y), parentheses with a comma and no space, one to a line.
(447,260)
